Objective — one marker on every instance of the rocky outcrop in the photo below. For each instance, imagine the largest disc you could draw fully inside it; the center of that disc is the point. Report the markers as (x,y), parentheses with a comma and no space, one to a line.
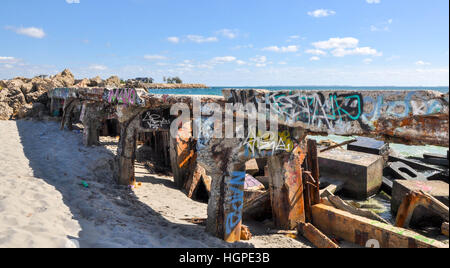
(113,81)
(23,97)
(95,82)
(64,79)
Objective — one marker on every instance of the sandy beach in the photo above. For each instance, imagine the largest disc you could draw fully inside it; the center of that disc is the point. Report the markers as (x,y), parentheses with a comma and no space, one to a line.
(43,202)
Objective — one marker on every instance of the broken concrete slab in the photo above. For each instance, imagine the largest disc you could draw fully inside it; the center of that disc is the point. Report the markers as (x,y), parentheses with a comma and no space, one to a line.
(437,189)
(361,172)
(370,146)
(252,184)
(401,171)
(413,164)
(433,161)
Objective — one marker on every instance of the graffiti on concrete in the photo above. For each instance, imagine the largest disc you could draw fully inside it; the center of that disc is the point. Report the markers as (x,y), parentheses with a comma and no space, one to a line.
(126,96)
(152,120)
(413,105)
(63,93)
(267,144)
(235,201)
(317,109)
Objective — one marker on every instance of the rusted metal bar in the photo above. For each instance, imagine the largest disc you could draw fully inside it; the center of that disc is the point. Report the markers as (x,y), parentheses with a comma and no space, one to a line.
(338,145)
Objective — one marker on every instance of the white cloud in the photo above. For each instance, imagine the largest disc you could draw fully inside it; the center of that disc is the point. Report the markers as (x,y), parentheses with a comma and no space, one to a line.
(373,1)
(317,52)
(173,39)
(422,63)
(314,58)
(223,59)
(321,13)
(366,51)
(368,61)
(347,42)
(282,62)
(7,59)
(345,46)
(241,62)
(200,39)
(154,57)
(98,67)
(260,61)
(30,31)
(231,34)
(281,49)
(72,1)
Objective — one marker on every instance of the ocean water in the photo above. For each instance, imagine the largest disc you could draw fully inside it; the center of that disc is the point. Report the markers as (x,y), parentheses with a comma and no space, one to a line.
(218,90)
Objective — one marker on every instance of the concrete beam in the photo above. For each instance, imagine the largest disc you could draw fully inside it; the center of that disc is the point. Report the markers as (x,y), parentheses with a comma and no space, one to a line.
(410,117)
(362,231)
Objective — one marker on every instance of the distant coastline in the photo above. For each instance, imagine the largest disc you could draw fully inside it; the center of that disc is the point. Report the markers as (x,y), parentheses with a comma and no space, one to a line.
(174,86)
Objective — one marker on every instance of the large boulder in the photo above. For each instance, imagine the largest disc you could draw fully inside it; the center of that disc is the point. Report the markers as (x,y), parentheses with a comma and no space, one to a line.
(64,79)
(113,81)
(3,94)
(24,111)
(82,83)
(37,96)
(42,85)
(95,82)
(3,84)
(27,88)
(14,87)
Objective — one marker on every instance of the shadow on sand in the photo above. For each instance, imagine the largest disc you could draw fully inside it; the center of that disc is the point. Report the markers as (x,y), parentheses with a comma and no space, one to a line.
(108,214)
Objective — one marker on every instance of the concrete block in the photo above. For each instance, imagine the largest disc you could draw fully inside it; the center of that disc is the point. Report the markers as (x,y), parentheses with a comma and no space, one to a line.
(438,189)
(401,171)
(251,167)
(360,172)
(370,146)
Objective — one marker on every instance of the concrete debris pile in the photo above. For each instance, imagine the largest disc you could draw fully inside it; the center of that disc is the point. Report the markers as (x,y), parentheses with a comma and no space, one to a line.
(285,177)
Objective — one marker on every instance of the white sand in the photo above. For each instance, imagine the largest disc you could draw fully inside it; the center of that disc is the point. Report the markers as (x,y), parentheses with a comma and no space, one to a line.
(43,204)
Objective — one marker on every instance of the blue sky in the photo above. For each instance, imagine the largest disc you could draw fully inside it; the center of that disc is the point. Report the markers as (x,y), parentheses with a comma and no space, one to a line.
(231,42)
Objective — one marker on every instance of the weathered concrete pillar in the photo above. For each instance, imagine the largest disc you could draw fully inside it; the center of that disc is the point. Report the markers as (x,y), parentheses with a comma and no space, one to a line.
(126,152)
(227,188)
(129,118)
(92,114)
(181,154)
(69,106)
